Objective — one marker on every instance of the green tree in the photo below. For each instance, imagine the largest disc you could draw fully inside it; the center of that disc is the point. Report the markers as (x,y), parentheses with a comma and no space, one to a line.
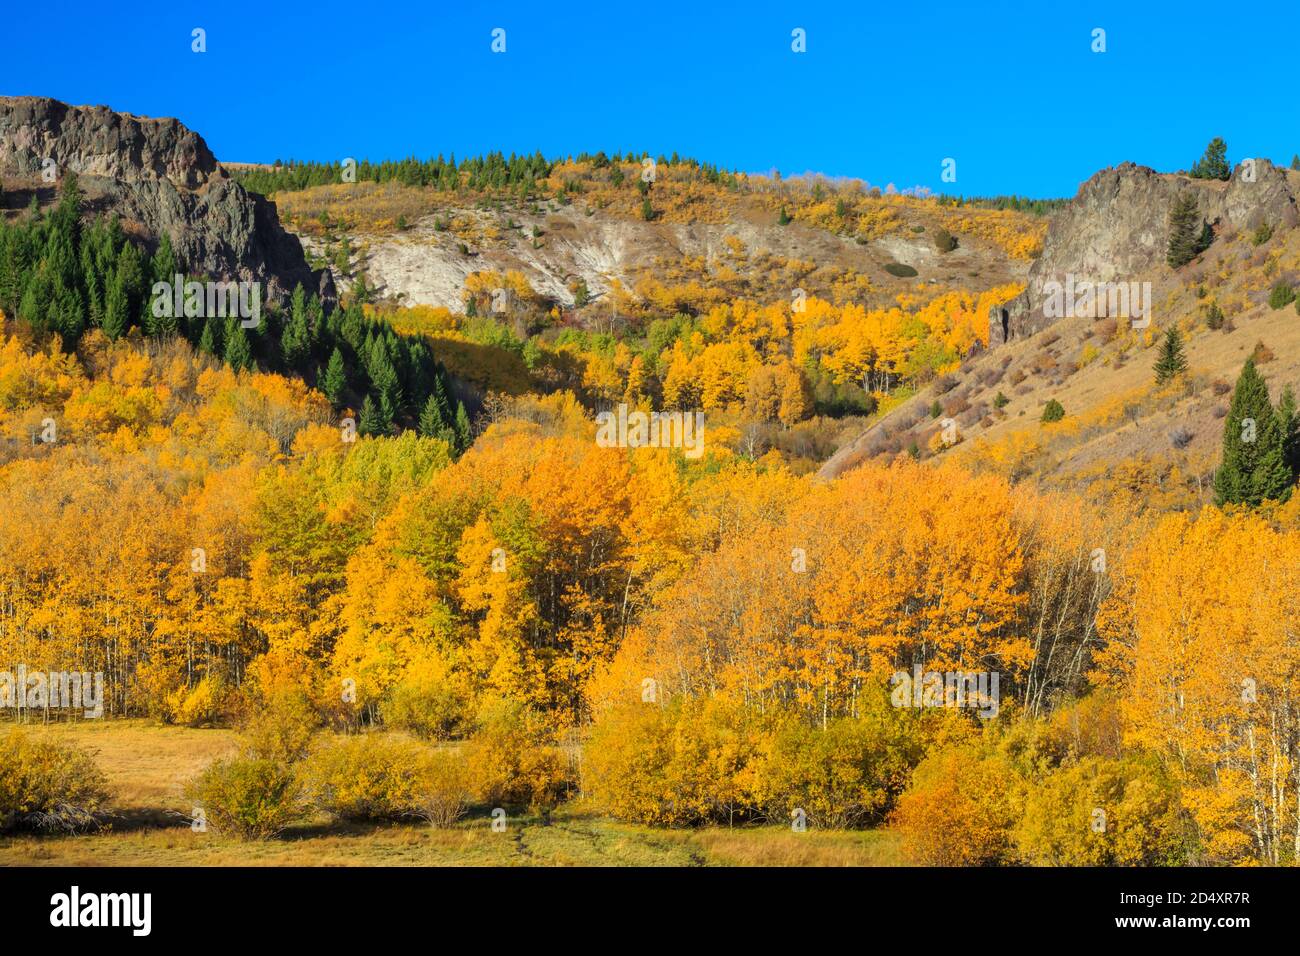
(115,306)
(1254,467)
(238,351)
(336,378)
(1185,236)
(463,434)
(1172,361)
(1289,423)
(1214,164)
(371,422)
(1053,411)
(295,340)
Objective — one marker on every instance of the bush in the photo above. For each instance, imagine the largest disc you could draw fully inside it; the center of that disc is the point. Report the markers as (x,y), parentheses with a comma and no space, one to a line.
(944,241)
(899,270)
(46,785)
(960,809)
(445,789)
(1053,411)
(848,774)
(427,704)
(512,762)
(1000,400)
(1104,812)
(196,706)
(281,728)
(1214,316)
(247,797)
(1282,295)
(366,777)
(677,765)
(1262,234)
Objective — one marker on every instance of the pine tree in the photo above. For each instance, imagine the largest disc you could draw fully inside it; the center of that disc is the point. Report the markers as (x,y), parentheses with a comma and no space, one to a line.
(1184,236)
(463,436)
(1172,361)
(295,340)
(1214,164)
(1288,419)
(371,422)
(238,352)
(115,306)
(1254,467)
(430,420)
(336,378)
(1295,160)
(210,339)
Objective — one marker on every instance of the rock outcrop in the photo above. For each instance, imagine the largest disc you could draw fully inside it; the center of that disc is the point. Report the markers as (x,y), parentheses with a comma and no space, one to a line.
(160,175)
(1116,230)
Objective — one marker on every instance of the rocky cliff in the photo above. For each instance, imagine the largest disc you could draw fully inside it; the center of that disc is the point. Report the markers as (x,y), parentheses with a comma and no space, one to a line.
(1116,230)
(160,176)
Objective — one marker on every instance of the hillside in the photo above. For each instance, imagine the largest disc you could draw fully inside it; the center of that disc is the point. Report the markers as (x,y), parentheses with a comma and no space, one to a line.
(591,512)
(1120,429)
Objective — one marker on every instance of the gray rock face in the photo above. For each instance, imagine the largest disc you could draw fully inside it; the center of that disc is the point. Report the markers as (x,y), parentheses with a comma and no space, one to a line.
(1116,230)
(161,175)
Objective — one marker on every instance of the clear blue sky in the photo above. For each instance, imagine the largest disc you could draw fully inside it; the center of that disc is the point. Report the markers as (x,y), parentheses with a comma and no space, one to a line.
(885,91)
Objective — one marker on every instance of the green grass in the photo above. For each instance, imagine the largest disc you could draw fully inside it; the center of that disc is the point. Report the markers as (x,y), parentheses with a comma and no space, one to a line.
(147,765)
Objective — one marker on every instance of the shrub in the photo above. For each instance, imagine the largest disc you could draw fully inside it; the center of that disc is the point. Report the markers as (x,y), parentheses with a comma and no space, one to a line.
(281,728)
(512,762)
(899,270)
(1262,234)
(247,797)
(1053,411)
(1282,295)
(944,241)
(847,774)
(945,383)
(365,777)
(960,809)
(677,765)
(47,785)
(1104,812)
(1214,316)
(426,703)
(196,706)
(1000,400)
(444,789)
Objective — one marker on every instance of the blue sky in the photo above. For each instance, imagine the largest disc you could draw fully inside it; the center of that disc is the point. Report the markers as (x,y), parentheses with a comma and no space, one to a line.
(885,91)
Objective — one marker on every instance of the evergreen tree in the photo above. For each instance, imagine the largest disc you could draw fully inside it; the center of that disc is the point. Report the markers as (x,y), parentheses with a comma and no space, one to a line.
(1295,161)
(1289,423)
(1214,164)
(430,422)
(463,436)
(238,350)
(1184,234)
(1172,361)
(115,306)
(1254,467)
(336,378)
(371,422)
(210,339)
(295,340)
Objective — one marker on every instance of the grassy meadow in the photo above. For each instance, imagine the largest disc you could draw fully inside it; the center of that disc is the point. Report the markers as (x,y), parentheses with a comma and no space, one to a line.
(148,763)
